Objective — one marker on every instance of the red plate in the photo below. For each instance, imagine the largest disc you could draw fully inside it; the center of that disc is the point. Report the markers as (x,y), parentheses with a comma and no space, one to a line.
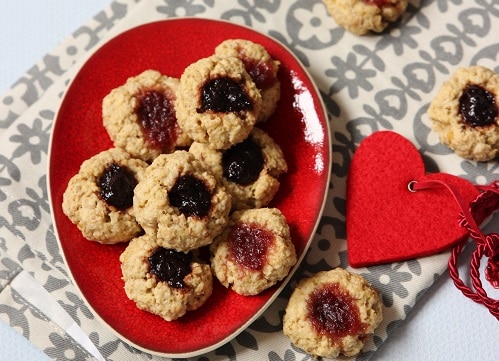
(299,126)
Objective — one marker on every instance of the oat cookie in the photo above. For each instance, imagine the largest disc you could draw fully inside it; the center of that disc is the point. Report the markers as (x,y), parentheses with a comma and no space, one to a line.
(254,252)
(362,16)
(338,295)
(180,203)
(260,66)
(164,282)
(140,117)
(249,170)
(217,102)
(98,199)
(464,113)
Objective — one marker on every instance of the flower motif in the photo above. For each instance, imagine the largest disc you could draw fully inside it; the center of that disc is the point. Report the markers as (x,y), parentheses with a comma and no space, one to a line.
(180,8)
(9,267)
(33,140)
(443,5)
(289,355)
(25,213)
(64,349)
(480,173)
(76,307)
(4,182)
(389,280)
(312,24)
(400,37)
(349,75)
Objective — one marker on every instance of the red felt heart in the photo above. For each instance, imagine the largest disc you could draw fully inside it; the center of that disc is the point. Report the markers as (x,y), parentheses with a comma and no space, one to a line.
(386,222)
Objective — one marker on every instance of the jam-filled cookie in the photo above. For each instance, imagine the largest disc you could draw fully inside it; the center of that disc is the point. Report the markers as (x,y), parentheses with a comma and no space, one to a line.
(254,252)
(260,66)
(98,199)
(464,113)
(140,116)
(248,170)
(162,281)
(217,102)
(180,203)
(332,313)
(361,16)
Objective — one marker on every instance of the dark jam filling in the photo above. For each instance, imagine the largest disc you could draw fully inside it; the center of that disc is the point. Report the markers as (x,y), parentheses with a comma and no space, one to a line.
(248,245)
(191,196)
(477,106)
(116,185)
(170,266)
(262,73)
(224,95)
(158,119)
(333,312)
(243,162)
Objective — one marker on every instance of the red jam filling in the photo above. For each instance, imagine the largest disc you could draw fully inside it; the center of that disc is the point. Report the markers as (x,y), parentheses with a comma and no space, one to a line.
(191,196)
(116,185)
(224,95)
(261,72)
(477,106)
(243,162)
(156,112)
(170,266)
(378,3)
(333,312)
(248,245)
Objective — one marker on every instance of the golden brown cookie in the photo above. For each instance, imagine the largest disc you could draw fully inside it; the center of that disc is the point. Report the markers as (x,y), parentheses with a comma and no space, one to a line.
(140,117)
(362,16)
(249,170)
(260,66)
(332,313)
(217,102)
(254,252)
(98,199)
(180,203)
(162,281)
(464,113)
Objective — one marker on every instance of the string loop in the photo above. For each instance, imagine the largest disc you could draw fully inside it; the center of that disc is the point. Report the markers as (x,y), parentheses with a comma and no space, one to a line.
(486,245)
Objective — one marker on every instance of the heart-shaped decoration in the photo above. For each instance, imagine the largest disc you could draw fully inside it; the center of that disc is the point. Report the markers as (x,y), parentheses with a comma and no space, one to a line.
(386,221)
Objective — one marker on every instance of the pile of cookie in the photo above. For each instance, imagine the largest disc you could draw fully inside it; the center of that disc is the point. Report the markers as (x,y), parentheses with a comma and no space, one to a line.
(189,172)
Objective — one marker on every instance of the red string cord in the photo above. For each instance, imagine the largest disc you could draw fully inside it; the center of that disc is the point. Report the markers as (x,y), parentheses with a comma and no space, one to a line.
(486,245)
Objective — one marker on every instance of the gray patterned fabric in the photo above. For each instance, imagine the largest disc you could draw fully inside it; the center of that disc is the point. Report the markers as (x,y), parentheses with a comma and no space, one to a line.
(367,83)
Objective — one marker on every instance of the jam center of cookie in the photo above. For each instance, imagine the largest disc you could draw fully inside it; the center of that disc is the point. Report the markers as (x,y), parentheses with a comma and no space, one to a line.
(224,95)
(477,106)
(116,185)
(333,312)
(378,3)
(191,196)
(170,266)
(243,162)
(248,245)
(261,72)
(156,112)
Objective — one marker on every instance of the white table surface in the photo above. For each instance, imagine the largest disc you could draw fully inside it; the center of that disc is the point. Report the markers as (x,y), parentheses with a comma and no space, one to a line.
(444,325)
